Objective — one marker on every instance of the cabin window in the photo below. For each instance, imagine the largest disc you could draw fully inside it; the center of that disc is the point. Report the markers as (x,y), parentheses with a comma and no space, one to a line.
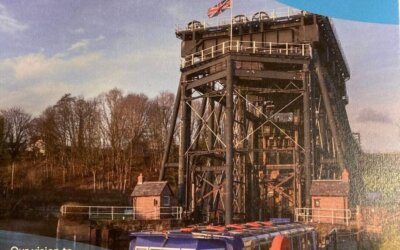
(155,202)
(166,201)
(304,242)
(264,245)
(309,241)
(295,242)
(317,203)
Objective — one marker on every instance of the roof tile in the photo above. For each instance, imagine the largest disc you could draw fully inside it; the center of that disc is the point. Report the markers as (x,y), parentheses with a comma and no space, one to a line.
(149,188)
(329,188)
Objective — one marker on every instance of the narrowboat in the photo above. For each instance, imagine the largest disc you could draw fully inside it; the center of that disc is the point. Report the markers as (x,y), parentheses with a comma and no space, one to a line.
(248,236)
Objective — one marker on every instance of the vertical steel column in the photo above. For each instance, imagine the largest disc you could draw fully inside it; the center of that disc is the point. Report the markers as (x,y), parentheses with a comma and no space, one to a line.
(313,121)
(171,129)
(228,130)
(188,176)
(241,143)
(185,139)
(253,184)
(307,134)
(211,124)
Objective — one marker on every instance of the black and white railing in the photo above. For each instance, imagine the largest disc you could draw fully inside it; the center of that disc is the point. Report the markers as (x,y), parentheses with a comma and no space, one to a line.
(252,47)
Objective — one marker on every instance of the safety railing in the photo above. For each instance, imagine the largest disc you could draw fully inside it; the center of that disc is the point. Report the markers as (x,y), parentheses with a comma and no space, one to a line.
(122,213)
(323,215)
(217,22)
(270,48)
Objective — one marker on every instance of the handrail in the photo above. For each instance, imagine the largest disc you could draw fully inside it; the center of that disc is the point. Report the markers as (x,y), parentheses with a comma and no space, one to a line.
(121,212)
(300,49)
(218,22)
(335,215)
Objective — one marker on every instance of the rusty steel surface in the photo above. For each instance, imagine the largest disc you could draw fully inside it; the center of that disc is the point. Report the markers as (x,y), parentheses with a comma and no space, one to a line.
(272,117)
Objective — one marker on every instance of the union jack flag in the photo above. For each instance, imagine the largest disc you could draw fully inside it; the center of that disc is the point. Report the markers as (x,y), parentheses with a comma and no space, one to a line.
(219,8)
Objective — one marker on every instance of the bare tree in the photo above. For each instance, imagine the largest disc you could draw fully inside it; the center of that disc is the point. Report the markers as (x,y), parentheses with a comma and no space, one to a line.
(2,139)
(16,128)
(65,130)
(104,140)
(91,137)
(124,126)
(136,107)
(113,130)
(160,111)
(59,127)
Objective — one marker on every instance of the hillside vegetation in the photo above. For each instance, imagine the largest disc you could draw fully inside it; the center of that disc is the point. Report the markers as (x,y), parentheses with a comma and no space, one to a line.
(79,146)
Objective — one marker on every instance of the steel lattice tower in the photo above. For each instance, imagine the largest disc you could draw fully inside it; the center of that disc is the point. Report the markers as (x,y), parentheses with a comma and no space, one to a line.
(271,116)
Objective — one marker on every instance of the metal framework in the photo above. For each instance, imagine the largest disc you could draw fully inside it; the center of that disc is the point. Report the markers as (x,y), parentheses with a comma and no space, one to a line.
(260,117)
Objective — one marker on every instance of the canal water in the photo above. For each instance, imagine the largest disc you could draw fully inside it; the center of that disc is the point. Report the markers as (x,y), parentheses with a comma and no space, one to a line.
(21,241)
(45,227)
(17,234)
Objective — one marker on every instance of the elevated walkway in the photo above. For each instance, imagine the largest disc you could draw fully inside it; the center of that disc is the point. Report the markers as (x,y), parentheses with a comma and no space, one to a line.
(248,47)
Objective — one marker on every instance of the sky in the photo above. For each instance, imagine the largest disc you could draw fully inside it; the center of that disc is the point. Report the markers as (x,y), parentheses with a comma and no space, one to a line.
(86,47)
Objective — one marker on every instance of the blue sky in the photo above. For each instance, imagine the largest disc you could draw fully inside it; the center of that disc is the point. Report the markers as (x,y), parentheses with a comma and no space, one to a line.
(49,48)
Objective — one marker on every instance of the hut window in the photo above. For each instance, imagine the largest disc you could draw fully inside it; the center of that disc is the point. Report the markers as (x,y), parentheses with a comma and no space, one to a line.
(155,202)
(317,203)
(166,201)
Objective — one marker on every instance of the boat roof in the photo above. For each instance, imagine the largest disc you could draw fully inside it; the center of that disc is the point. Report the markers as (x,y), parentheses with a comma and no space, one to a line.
(251,230)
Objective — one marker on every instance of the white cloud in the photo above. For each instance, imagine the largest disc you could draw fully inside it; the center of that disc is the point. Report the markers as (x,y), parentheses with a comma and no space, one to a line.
(35,81)
(99,38)
(84,43)
(36,66)
(79,31)
(8,24)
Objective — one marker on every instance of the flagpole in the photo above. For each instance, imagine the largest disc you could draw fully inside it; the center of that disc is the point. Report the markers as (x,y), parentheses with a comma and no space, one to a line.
(230,48)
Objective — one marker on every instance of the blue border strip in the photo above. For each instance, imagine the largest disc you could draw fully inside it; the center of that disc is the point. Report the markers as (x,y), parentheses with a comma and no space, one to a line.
(373,11)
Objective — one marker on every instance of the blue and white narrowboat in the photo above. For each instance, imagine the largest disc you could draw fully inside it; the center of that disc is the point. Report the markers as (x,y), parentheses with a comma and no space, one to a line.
(248,236)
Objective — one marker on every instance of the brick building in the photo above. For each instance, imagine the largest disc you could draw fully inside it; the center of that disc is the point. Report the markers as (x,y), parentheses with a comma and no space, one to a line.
(330,198)
(152,199)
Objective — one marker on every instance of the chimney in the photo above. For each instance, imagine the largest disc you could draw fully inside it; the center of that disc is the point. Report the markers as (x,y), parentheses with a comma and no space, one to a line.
(345,175)
(140,179)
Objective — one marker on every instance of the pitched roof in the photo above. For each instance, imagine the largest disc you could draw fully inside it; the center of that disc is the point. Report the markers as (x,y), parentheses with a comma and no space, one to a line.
(149,188)
(329,188)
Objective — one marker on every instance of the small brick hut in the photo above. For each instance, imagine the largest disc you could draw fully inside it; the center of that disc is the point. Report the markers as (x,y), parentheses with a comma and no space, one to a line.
(152,200)
(330,198)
